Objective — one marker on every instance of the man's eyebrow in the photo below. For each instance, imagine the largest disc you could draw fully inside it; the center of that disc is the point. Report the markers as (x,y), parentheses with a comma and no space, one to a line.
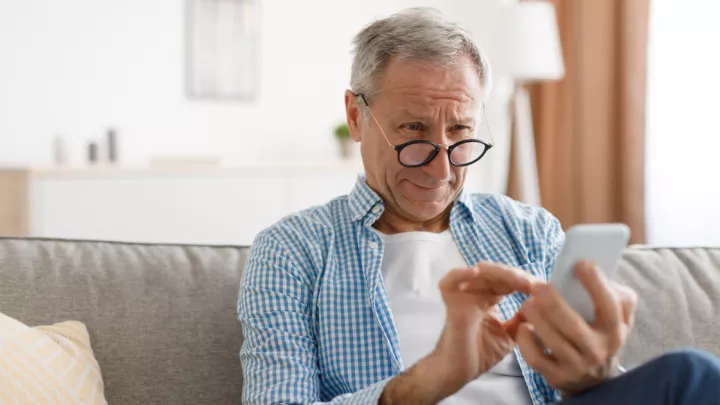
(467,120)
(407,114)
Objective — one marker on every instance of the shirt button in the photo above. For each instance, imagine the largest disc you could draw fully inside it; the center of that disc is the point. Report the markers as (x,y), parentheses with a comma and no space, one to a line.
(373,245)
(376,209)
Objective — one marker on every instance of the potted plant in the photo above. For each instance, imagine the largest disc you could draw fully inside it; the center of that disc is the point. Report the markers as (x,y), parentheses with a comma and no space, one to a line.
(342,134)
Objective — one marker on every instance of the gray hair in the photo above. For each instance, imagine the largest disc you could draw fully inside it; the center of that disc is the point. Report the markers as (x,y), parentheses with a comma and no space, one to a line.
(420,33)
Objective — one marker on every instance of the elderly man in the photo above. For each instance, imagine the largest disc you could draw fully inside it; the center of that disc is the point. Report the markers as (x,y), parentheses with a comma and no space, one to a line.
(410,290)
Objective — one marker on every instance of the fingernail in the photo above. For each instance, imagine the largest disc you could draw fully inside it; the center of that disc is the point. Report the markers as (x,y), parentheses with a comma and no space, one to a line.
(584,266)
(540,289)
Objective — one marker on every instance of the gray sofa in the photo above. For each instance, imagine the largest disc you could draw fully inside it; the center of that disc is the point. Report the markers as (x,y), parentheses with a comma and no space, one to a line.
(163,324)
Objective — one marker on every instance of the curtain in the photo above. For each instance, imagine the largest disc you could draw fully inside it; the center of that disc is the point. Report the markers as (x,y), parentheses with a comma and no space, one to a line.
(590,126)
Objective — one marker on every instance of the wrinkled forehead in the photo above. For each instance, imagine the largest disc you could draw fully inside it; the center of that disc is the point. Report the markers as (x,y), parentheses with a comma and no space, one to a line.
(426,107)
(423,105)
(423,88)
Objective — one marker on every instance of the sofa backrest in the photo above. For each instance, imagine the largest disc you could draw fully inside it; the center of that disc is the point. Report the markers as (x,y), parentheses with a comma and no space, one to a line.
(162,319)
(163,324)
(679,305)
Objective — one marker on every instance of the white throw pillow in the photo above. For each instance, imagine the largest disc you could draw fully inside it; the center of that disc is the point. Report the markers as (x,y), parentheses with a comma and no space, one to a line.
(48,365)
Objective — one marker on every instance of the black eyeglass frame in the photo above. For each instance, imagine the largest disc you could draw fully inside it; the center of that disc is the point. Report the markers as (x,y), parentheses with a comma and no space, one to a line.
(433,155)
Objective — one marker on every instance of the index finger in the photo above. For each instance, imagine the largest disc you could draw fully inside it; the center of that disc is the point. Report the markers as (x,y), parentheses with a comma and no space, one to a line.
(456,277)
(498,279)
(628,302)
(607,307)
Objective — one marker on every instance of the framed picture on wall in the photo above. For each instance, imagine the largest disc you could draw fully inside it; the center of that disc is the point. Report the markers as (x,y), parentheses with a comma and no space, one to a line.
(222,49)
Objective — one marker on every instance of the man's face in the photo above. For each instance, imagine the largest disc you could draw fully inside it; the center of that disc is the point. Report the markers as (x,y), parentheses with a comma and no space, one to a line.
(417,101)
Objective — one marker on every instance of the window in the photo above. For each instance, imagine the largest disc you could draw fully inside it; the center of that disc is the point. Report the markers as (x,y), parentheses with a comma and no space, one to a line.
(683,123)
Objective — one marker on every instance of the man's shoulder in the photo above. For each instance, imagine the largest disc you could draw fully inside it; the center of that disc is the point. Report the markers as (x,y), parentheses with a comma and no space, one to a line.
(497,207)
(310,225)
(300,242)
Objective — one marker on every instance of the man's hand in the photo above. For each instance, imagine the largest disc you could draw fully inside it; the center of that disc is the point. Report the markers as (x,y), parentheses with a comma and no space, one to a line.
(473,340)
(581,355)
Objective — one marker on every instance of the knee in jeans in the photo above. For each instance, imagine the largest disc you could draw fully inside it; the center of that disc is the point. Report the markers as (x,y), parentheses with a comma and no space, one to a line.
(691,361)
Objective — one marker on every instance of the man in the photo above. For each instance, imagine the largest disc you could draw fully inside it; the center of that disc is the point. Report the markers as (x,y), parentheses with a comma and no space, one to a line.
(411,291)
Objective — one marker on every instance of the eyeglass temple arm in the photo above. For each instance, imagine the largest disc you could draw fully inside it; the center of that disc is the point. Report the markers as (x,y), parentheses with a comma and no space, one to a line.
(487,124)
(367,105)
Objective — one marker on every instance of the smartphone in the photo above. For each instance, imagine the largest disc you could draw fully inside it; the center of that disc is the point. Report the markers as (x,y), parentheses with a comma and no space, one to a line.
(601,244)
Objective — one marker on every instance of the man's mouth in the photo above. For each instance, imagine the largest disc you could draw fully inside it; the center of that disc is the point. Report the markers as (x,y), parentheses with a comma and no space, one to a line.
(428,187)
(425,193)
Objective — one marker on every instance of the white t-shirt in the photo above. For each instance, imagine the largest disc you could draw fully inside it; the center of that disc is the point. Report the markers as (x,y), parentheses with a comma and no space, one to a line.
(413,264)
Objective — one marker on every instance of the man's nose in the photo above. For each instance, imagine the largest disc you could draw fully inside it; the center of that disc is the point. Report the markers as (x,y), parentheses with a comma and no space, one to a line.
(439,168)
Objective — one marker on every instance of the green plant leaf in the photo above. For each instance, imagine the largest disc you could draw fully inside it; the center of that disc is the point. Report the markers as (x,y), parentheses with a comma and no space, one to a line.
(342,131)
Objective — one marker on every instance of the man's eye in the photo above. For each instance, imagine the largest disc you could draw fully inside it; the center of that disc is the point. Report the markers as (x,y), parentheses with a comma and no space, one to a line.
(462,128)
(415,126)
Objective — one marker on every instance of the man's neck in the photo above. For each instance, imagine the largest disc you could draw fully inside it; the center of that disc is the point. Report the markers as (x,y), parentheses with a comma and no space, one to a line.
(391,223)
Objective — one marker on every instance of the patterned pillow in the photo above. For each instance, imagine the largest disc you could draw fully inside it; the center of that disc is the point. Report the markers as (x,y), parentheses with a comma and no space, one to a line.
(48,365)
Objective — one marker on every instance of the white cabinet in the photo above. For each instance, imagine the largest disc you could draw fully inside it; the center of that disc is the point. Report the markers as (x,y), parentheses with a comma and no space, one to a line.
(171,205)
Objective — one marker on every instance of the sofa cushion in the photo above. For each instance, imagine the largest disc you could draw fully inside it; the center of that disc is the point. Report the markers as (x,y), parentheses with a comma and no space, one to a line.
(679,306)
(48,364)
(162,318)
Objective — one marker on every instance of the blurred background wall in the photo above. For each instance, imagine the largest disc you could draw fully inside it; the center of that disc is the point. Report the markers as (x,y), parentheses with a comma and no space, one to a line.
(621,125)
(75,67)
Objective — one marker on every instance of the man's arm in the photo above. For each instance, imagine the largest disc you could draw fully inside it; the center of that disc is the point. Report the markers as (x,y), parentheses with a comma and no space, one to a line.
(583,355)
(280,358)
(279,353)
(554,239)
(473,340)
(418,385)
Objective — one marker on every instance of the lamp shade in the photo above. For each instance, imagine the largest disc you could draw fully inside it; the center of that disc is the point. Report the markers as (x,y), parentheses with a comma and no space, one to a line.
(529,44)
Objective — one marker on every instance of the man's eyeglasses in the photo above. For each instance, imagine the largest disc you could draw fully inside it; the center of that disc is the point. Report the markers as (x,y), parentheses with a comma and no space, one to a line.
(419,152)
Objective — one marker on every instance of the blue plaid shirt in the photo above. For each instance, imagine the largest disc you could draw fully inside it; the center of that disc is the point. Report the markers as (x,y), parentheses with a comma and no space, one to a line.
(313,307)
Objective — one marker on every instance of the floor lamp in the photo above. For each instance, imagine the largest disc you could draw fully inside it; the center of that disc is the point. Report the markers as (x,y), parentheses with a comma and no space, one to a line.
(530,52)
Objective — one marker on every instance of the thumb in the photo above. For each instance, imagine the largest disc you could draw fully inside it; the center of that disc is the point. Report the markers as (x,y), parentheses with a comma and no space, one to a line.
(511,325)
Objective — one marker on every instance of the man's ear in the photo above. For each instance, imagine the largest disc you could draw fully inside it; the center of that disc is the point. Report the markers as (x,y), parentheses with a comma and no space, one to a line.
(354,115)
